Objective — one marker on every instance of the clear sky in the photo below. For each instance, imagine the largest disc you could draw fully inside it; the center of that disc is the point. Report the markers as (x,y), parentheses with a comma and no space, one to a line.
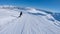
(51,5)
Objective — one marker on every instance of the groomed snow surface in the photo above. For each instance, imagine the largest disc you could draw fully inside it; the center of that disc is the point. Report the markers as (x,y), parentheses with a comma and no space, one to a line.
(27,23)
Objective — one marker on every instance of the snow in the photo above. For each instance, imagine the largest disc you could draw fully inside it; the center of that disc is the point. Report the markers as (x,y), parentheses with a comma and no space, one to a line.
(32,10)
(27,23)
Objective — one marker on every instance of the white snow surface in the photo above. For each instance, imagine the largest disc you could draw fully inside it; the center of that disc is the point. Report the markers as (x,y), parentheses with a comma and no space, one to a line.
(27,23)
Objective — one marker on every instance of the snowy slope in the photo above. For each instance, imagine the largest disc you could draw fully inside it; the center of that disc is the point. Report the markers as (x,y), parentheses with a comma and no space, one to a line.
(31,22)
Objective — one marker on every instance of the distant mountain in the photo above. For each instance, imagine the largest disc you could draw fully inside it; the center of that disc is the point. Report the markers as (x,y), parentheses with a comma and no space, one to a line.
(55,15)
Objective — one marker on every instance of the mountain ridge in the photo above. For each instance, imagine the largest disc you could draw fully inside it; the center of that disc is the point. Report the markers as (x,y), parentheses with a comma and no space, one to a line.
(32,21)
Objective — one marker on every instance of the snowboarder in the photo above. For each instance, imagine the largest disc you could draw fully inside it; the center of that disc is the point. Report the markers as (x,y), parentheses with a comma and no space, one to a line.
(20,14)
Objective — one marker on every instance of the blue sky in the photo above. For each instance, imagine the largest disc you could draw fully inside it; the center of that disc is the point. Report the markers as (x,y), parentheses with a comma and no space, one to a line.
(50,5)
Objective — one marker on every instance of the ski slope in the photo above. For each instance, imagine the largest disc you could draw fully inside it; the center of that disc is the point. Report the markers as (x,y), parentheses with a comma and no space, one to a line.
(28,23)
